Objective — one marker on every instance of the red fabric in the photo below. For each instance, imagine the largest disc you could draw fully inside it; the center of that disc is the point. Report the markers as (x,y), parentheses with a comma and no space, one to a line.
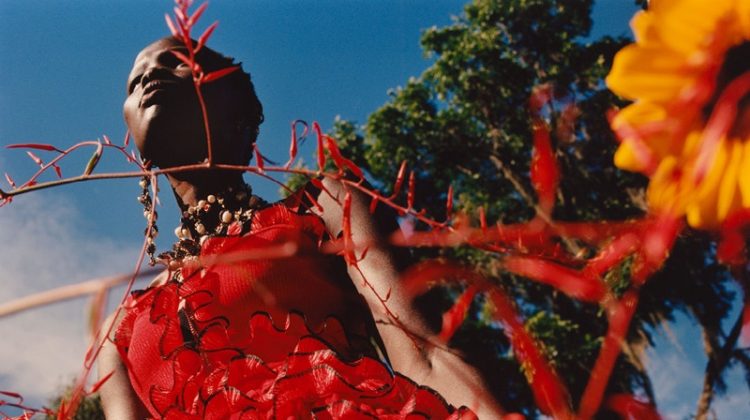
(226,360)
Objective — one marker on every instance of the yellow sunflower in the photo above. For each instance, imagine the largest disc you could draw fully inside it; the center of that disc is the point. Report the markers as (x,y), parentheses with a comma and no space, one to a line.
(688,128)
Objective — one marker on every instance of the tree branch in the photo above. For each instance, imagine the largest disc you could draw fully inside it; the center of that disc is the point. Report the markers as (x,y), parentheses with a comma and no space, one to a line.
(718,361)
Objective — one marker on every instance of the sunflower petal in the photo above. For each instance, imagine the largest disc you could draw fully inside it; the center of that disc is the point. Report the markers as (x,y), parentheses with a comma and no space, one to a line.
(743,17)
(702,211)
(663,190)
(628,158)
(689,25)
(743,178)
(648,73)
(729,194)
(649,121)
(643,25)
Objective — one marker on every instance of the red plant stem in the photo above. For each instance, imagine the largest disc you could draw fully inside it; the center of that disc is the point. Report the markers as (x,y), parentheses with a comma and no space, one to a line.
(62,293)
(630,408)
(571,282)
(453,317)
(204,114)
(399,180)
(97,342)
(590,232)
(619,314)
(51,163)
(612,254)
(549,392)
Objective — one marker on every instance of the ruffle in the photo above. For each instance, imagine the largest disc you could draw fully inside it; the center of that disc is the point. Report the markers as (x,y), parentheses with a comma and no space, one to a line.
(196,349)
(301,375)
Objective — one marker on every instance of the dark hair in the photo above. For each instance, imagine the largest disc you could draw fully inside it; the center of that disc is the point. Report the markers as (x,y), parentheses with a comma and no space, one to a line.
(249,114)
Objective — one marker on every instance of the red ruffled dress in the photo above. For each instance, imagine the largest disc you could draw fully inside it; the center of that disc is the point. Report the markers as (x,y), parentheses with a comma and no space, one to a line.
(229,341)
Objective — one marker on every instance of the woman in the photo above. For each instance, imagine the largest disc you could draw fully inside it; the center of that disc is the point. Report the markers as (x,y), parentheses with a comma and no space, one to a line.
(224,331)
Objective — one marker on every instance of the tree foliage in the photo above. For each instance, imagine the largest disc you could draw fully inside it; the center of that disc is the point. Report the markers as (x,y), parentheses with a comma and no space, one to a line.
(465,122)
(90,407)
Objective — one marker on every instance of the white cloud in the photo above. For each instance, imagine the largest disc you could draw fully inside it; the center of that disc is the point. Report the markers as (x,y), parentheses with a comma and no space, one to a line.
(676,381)
(41,248)
(676,370)
(736,403)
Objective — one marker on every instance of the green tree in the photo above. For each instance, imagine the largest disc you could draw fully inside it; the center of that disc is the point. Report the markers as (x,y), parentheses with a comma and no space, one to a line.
(90,407)
(465,122)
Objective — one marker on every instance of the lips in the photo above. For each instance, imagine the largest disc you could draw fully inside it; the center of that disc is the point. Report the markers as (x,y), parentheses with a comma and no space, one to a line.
(156,89)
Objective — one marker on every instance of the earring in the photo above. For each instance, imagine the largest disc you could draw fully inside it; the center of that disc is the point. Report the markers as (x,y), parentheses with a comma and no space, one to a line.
(151,229)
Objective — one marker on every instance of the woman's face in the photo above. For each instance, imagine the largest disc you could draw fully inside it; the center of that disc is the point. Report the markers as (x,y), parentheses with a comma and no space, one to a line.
(162,109)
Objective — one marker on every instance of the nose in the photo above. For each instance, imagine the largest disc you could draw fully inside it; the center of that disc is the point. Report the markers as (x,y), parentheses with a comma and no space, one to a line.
(151,73)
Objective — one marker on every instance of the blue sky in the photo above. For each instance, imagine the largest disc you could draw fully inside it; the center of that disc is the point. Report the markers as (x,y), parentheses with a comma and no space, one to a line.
(62,80)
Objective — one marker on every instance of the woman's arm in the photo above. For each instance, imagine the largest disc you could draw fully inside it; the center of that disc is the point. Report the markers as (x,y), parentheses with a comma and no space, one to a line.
(408,345)
(119,401)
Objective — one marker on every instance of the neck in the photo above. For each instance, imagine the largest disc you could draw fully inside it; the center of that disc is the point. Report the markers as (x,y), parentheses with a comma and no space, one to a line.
(189,188)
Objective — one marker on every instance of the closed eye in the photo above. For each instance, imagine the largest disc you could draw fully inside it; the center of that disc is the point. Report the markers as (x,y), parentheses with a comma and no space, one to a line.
(134,83)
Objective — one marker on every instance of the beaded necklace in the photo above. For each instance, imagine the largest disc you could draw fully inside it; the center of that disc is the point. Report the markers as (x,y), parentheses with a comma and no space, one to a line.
(228,213)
